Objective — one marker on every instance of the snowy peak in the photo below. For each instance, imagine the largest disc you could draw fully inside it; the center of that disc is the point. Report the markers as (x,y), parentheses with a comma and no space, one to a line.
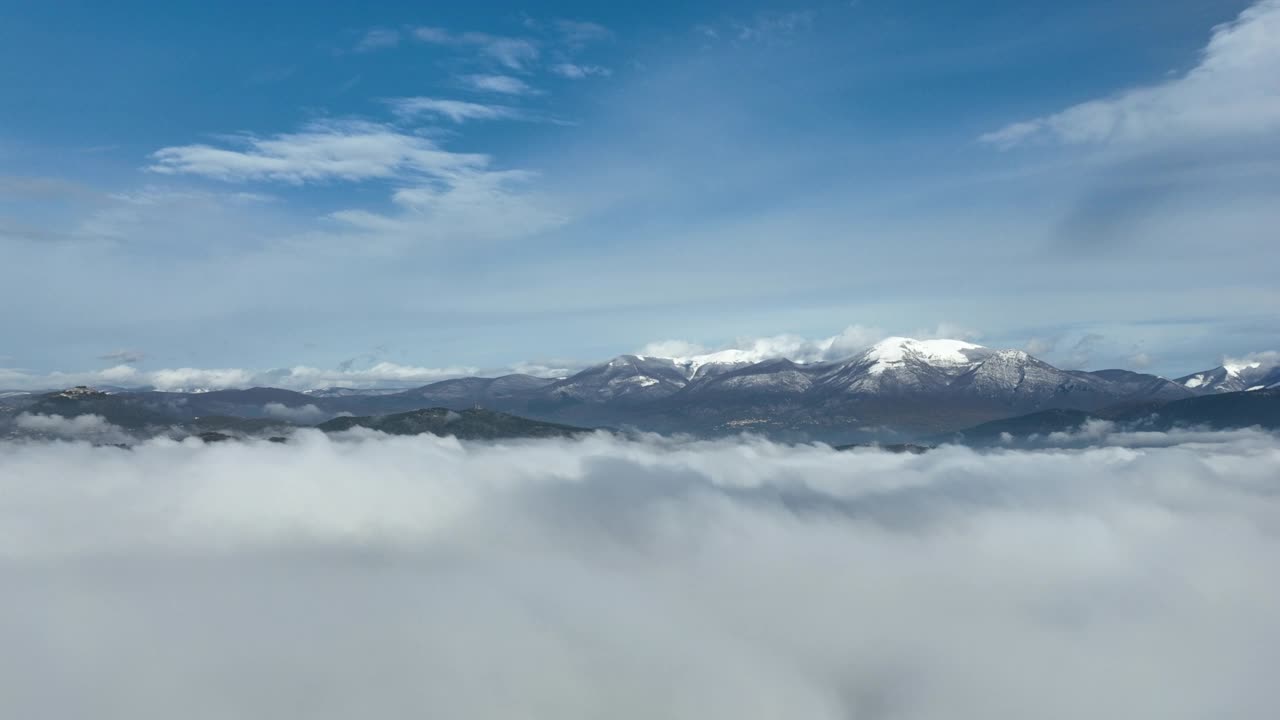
(896,351)
(887,353)
(1235,377)
(900,364)
(713,363)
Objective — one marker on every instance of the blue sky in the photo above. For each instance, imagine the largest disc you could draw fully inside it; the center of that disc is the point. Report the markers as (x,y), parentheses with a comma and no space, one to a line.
(399,191)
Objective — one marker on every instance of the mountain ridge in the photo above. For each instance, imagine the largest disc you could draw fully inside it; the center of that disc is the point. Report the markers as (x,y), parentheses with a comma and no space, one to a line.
(896,389)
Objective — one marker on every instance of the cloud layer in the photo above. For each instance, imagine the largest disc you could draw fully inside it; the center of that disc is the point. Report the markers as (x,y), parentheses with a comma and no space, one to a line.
(393,577)
(300,377)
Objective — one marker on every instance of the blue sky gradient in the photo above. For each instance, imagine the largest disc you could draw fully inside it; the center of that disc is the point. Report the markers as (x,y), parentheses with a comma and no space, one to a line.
(457,187)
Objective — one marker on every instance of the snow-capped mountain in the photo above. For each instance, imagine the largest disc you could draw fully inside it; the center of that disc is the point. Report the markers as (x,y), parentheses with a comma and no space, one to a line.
(1234,377)
(900,364)
(696,367)
(904,367)
(902,383)
(898,387)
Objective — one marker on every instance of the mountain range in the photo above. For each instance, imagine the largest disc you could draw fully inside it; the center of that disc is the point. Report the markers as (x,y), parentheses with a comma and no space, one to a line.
(899,389)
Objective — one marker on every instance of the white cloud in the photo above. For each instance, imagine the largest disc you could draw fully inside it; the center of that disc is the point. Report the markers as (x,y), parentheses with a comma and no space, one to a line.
(574,71)
(422,576)
(302,415)
(444,197)
(513,53)
(82,427)
(435,35)
(329,150)
(474,207)
(456,110)
(1140,360)
(1264,360)
(299,377)
(547,370)
(503,84)
(947,331)
(378,39)
(847,343)
(185,379)
(381,374)
(1231,92)
(1039,346)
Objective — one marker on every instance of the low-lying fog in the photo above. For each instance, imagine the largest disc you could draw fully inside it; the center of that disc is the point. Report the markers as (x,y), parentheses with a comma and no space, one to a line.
(377,577)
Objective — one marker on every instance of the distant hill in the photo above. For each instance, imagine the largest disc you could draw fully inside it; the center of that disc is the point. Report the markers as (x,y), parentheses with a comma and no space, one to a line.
(474,424)
(1225,411)
(132,411)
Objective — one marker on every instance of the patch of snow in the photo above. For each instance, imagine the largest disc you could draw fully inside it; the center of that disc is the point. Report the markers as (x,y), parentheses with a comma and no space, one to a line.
(690,365)
(896,350)
(1234,369)
(1195,381)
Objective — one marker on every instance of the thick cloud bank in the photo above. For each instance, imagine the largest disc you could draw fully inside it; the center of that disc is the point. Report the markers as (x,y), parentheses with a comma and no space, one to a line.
(383,577)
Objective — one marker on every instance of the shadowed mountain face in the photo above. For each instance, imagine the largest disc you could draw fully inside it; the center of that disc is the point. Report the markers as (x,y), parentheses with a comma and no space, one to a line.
(896,390)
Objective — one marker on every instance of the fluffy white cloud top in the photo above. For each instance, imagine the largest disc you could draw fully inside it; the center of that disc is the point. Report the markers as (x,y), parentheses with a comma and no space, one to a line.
(395,577)
(1231,92)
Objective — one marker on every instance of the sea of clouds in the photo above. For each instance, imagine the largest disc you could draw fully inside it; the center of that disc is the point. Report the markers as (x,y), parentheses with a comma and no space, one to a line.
(382,577)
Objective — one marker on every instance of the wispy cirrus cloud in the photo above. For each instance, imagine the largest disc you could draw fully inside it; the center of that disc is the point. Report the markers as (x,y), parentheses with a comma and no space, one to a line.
(578,33)
(470,207)
(378,39)
(510,52)
(762,27)
(350,150)
(501,84)
(440,195)
(576,71)
(1232,91)
(457,111)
